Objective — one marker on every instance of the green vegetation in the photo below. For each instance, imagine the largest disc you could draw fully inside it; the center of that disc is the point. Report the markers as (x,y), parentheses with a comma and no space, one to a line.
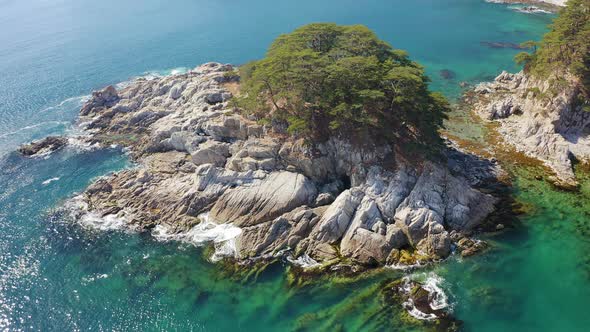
(326,80)
(565,48)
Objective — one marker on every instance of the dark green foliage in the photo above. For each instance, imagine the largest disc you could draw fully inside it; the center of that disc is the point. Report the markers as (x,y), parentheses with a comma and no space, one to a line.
(327,80)
(523,58)
(565,48)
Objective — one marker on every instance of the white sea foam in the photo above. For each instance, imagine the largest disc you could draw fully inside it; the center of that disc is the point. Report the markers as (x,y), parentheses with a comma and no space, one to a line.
(437,297)
(222,236)
(74,101)
(103,223)
(529,10)
(87,280)
(152,75)
(419,314)
(304,261)
(179,70)
(79,144)
(48,181)
(404,267)
(78,210)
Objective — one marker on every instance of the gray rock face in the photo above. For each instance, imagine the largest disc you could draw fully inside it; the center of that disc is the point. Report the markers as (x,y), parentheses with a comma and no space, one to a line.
(196,154)
(261,201)
(338,216)
(211,152)
(538,119)
(105,98)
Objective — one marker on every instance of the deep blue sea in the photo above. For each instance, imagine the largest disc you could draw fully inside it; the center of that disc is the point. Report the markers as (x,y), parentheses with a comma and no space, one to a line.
(56,275)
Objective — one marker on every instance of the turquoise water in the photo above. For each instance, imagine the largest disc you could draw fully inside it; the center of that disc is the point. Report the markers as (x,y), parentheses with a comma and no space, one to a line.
(57,275)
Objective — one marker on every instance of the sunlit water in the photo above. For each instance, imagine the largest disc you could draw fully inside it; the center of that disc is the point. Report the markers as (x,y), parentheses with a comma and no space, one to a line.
(58,275)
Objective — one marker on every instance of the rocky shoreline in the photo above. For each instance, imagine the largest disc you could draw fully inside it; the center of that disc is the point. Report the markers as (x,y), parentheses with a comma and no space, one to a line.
(538,119)
(332,204)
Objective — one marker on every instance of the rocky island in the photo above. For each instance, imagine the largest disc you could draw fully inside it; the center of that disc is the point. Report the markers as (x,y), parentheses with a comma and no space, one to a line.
(351,173)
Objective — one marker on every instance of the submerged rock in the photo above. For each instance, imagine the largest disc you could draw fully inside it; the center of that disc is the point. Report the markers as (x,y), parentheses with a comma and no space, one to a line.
(447,74)
(509,45)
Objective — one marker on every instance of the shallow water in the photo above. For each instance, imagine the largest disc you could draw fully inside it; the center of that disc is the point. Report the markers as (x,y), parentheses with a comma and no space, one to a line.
(58,275)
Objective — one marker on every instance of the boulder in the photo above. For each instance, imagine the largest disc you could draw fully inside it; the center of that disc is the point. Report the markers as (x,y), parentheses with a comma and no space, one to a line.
(104,98)
(211,152)
(264,200)
(338,216)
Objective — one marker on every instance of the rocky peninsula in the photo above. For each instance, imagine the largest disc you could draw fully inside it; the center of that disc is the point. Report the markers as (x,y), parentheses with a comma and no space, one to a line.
(542,125)
(543,110)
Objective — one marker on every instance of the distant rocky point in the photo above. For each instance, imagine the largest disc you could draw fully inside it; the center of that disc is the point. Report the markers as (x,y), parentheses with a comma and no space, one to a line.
(549,5)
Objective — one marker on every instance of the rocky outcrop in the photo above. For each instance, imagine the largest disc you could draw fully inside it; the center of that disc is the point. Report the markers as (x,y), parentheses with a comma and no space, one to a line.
(424,301)
(538,117)
(46,145)
(331,201)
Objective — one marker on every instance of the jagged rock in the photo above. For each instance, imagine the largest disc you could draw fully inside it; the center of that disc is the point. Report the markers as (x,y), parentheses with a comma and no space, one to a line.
(338,216)
(99,186)
(106,97)
(228,127)
(396,237)
(324,199)
(211,152)
(45,145)
(502,109)
(255,154)
(360,241)
(469,247)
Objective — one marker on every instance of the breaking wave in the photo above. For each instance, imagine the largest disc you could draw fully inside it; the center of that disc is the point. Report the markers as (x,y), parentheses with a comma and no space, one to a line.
(437,298)
(35,126)
(151,75)
(48,181)
(529,10)
(222,236)
(78,211)
(303,261)
(68,103)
